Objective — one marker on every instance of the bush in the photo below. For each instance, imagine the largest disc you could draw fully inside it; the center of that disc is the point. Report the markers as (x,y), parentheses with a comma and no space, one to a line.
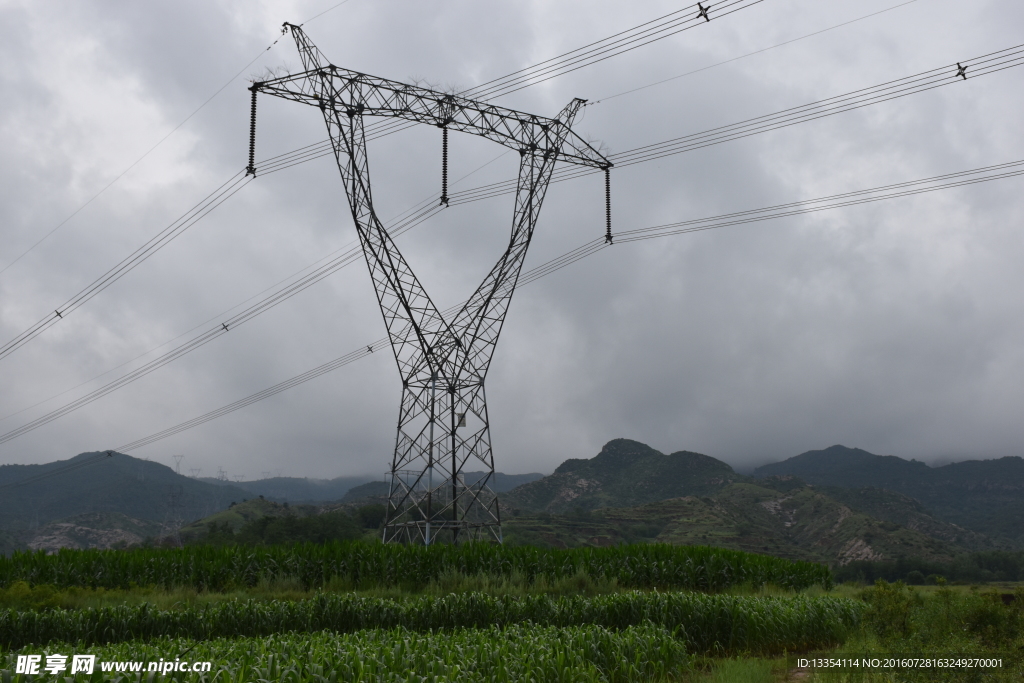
(372,516)
(333,526)
(889,609)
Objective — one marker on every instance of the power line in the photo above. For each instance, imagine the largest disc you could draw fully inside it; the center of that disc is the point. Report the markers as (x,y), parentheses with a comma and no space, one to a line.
(329,9)
(606,48)
(598,51)
(214,332)
(989,63)
(146,154)
(161,140)
(884,192)
(60,470)
(620,43)
(750,54)
(342,253)
(129,263)
(983,65)
(947,181)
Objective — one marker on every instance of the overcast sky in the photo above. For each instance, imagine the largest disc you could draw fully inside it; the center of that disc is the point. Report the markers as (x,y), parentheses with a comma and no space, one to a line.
(897,327)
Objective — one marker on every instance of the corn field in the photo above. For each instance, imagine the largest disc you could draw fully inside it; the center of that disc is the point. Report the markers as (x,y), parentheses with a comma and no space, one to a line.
(367,566)
(707,624)
(520,653)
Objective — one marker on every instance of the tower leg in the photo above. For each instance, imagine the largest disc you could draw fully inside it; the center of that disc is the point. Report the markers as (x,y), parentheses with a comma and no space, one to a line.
(442,473)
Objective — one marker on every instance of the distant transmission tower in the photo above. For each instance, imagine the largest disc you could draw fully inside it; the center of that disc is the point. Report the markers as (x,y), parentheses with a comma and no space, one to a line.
(177,463)
(174,519)
(443,422)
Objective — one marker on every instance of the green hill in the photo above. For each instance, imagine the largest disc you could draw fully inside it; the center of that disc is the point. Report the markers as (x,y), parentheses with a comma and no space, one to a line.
(35,495)
(799,524)
(630,492)
(984,496)
(848,467)
(624,473)
(92,530)
(260,521)
(238,515)
(296,489)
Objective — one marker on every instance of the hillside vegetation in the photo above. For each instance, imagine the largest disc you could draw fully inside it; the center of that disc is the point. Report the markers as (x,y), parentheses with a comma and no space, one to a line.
(984,496)
(624,473)
(630,492)
(120,484)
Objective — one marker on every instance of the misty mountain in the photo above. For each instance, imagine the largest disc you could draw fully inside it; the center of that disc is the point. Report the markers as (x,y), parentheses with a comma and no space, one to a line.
(986,496)
(36,495)
(624,473)
(296,489)
(800,523)
(630,492)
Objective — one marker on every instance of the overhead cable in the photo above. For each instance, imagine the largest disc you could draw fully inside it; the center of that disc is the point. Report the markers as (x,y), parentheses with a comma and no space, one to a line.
(606,48)
(129,263)
(884,192)
(85,462)
(160,141)
(989,63)
(983,65)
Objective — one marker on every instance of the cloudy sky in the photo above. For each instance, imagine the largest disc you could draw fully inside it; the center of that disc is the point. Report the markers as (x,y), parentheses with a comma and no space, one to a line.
(897,327)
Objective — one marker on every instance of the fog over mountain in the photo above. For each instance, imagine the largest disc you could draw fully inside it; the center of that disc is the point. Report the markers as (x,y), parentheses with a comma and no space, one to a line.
(896,327)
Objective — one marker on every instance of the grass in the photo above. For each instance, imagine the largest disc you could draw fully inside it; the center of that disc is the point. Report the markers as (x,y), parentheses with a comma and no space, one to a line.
(745,670)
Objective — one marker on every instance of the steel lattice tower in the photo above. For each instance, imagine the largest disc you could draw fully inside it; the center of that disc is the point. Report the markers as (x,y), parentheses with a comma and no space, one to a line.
(443,424)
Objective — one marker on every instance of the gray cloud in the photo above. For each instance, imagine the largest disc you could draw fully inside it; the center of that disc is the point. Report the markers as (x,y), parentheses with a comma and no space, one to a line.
(894,327)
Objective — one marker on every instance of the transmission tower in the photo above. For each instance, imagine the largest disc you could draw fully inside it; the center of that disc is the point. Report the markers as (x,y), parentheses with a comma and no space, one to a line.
(443,423)
(177,463)
(174,519)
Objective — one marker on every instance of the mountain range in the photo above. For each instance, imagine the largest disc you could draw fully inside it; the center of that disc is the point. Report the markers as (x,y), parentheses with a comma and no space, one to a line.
(834,505)
(986,496)
(106,499)
(631,492)
(104,482)
(295,489)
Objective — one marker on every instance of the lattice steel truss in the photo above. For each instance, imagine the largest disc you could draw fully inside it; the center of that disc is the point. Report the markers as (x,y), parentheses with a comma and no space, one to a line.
(443,425)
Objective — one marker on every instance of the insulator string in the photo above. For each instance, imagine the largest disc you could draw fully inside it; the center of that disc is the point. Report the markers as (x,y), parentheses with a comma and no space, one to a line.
(608,204)
(251,168)
(444,165)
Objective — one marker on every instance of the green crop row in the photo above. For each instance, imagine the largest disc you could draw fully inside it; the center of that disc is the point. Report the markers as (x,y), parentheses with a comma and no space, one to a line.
(709,624)
(365,565)
(521,653)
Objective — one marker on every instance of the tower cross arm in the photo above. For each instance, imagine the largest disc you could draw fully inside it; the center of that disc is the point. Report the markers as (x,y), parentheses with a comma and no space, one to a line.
(353,93)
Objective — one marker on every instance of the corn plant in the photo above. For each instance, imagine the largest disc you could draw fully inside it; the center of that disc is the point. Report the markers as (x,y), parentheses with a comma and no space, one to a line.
(521,653)
(711,624)
(364,565)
